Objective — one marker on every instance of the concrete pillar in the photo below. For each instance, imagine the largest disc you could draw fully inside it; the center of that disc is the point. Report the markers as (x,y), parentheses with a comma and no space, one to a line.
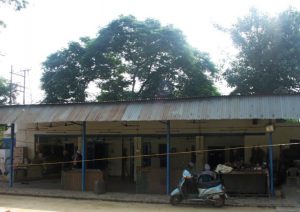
(200,156)
(79,143)
(137,160)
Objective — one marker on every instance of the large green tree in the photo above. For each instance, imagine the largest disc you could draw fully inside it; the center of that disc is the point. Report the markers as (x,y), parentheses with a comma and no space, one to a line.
(132,59)
(65,78)
(268,60)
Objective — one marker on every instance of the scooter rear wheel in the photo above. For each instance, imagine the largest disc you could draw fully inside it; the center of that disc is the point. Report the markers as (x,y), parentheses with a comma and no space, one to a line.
(175,200)
(220,202)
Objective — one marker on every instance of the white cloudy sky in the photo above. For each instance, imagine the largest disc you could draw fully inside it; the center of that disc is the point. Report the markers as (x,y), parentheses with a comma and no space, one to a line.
(46,26)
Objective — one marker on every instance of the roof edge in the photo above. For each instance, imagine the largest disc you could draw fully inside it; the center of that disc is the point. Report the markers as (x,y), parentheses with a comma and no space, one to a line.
(151,100)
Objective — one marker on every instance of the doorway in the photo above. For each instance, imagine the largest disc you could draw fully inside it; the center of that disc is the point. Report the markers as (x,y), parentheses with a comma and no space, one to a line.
(216,157)
(118,169)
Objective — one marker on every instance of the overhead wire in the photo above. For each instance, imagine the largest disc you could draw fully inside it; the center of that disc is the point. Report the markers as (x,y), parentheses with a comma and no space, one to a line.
(153,155)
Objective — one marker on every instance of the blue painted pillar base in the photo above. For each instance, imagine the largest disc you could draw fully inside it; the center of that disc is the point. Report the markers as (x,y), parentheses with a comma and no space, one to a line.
(271,177)
(11,169)
(168,159)
(83,167)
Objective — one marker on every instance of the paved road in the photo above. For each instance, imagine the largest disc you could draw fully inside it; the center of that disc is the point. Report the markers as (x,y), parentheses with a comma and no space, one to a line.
(24,203)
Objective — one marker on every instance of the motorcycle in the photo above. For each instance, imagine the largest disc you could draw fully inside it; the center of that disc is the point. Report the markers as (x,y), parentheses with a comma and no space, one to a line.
(201,188)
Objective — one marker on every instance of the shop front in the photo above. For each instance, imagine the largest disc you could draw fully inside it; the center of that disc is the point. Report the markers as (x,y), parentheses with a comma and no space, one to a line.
(144,146)
(138,163)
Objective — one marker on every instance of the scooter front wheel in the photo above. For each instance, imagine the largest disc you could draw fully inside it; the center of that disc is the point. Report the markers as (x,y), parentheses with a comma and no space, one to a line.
(176,199)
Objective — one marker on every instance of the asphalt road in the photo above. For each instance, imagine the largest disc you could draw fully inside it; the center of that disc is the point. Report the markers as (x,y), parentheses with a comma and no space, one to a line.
(24,203)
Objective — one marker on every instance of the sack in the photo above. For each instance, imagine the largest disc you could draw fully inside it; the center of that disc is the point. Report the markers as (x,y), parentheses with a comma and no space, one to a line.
(99,187)
(223,169)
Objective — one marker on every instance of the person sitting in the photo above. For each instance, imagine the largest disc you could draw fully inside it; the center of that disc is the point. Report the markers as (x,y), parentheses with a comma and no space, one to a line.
(189,171)
(67,161)
(77,160)
(38,159)
(207,175)
(189,174)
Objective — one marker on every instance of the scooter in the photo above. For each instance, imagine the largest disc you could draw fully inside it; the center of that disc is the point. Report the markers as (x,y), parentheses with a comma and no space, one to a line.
(196,189)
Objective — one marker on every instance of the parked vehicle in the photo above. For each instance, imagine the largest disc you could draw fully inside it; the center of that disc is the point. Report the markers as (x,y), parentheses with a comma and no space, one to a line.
(200,188)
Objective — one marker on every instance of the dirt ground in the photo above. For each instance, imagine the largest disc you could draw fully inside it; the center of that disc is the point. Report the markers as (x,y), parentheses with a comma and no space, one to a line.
(24,203)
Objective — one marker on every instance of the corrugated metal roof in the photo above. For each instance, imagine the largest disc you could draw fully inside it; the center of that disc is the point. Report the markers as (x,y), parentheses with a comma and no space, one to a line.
(214,108)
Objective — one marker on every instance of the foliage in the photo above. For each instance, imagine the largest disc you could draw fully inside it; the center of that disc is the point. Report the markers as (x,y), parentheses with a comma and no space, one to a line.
(5,92)
(17,4)
(268,60)
(132,59)
(64,78)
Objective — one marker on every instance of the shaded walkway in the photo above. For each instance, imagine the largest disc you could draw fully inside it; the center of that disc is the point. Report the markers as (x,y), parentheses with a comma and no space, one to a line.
(292,193)
(28,190)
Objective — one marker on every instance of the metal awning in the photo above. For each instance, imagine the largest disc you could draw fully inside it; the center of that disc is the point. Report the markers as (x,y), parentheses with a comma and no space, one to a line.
(209,108)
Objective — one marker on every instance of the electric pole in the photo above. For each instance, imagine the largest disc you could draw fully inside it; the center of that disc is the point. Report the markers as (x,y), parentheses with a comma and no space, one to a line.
(11,85)
(24,83)
(23,87)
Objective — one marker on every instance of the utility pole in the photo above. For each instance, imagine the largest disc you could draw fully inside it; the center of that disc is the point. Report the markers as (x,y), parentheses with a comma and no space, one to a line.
(11,85)
(23,87)
(24,83)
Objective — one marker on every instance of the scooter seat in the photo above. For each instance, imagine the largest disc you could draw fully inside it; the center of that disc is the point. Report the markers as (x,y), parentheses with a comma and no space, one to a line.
(209,184)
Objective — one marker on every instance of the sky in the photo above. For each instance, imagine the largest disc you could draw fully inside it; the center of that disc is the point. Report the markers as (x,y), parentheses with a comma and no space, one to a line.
(47,26)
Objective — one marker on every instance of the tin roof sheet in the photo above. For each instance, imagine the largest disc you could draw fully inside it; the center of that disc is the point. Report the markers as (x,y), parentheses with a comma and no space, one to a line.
(211,108)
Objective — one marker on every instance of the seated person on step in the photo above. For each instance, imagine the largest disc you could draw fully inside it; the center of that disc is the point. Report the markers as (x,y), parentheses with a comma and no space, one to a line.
(207,175)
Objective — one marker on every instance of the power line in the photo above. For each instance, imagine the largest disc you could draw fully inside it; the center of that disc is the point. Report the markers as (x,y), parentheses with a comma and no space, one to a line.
(155,155)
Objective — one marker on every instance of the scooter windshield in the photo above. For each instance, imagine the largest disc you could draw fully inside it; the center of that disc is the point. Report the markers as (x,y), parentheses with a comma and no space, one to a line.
(186,174)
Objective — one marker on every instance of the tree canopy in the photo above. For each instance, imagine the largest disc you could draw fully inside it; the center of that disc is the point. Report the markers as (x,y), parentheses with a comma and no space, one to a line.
(268,60)
(65,78)
(5,92)
(129,59)
(17,4)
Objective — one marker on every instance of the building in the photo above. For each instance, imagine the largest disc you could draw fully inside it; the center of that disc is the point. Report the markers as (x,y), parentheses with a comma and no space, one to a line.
(227,126)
